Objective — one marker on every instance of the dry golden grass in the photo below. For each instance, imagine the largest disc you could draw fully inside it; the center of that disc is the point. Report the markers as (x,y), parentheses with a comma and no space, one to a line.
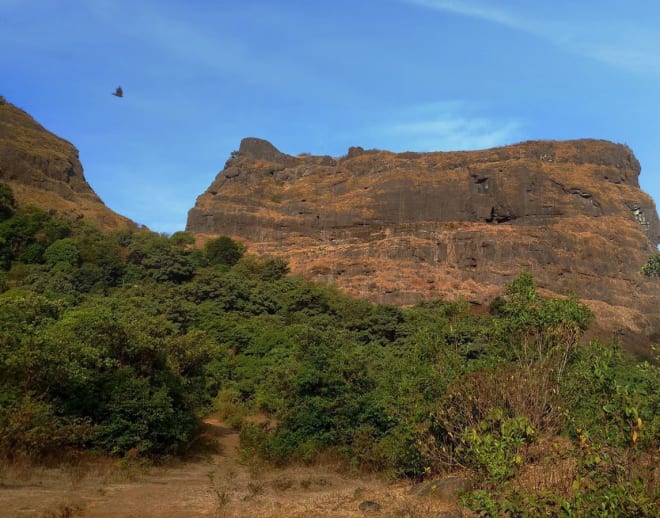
(550,466)
(214,482)
(382,226)
(44,170)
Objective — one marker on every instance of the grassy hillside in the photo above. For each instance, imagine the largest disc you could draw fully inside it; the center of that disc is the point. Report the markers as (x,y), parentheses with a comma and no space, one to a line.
(120,342)
(44,171)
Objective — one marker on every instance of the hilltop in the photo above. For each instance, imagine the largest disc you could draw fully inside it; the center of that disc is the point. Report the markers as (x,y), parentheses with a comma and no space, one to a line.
(400,228)
(403,227)
(44,170)
(132,362)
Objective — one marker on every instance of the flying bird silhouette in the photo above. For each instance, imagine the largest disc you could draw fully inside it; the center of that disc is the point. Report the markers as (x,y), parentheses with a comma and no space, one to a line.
(118,92)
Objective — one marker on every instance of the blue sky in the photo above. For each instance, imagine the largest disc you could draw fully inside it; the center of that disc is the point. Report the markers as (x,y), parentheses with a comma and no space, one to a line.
(319,76)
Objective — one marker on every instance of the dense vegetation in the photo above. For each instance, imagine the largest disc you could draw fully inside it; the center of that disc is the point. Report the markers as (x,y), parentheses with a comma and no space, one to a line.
(652,266)
(119,342)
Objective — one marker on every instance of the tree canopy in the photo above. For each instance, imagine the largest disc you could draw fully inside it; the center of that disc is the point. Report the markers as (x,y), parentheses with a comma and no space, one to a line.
(120,342)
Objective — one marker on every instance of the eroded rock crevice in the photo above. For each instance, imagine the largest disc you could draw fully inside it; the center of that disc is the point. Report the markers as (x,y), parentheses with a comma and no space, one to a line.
(452,225)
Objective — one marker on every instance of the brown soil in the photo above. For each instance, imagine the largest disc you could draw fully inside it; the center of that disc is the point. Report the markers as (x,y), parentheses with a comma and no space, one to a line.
(218,485)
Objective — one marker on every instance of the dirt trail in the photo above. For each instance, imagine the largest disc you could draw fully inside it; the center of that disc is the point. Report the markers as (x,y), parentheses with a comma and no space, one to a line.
(219,485)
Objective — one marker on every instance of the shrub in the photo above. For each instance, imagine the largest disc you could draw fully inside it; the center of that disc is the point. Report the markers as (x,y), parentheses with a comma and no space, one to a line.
(7,201)
(182,239)
(493,447)
(62,251)
(32,428)
(224,251)
(652,266)
(539,333)
(267,270)
(141,413)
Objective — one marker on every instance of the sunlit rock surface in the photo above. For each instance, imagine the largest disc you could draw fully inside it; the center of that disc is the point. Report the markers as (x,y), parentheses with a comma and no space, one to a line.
(44,170)
(400,228)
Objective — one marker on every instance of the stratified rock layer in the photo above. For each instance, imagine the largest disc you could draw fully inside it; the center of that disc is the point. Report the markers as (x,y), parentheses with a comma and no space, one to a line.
(44,170)
(399,228)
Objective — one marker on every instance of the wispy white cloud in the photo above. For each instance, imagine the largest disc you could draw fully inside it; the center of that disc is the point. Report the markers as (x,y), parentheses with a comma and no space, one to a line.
(621,52)
(474,10)
(600,33)
(445,126)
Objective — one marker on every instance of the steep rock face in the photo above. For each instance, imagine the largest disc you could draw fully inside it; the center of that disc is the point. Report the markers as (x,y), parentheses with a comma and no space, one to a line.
(44,170)
(399,228)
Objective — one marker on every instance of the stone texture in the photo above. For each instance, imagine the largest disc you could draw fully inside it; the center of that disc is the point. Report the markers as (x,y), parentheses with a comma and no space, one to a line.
(44,170)
(399,228)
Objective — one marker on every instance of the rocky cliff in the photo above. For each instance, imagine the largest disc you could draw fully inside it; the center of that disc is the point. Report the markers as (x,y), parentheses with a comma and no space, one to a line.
(398,228)
(44,170)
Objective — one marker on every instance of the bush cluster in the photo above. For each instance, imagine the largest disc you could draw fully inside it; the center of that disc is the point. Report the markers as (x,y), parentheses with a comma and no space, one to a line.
(652,266)
(119,342)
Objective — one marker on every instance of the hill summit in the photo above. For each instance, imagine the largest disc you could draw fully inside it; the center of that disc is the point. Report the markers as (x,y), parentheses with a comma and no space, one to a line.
(403,227)
(44,170)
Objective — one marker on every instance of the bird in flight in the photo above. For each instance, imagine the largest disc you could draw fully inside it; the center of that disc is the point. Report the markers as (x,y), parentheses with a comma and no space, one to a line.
(118,92)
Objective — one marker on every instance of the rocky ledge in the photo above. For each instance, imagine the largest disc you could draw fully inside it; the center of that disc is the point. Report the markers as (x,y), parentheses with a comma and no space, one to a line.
(399,228)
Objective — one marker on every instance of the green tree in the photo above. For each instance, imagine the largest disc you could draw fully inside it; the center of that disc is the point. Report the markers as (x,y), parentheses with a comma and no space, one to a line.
(62,251)
(267,270)
(537,330)
(7,202)
(182,239)
(224,251)
(26,234)
(169,265)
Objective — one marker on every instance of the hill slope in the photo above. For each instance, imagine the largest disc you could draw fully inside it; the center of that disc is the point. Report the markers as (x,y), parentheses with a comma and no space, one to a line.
(400,228)
(44,170)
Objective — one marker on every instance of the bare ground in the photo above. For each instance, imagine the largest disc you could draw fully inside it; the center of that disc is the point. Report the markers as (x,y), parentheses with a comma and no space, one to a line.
(218,485)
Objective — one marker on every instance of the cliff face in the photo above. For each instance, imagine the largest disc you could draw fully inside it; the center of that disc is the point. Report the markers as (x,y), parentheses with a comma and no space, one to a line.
(398,228)
(44,170)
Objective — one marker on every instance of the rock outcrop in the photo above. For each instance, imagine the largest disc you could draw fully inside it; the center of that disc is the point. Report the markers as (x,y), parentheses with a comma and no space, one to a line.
(44,170)
(399,228)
